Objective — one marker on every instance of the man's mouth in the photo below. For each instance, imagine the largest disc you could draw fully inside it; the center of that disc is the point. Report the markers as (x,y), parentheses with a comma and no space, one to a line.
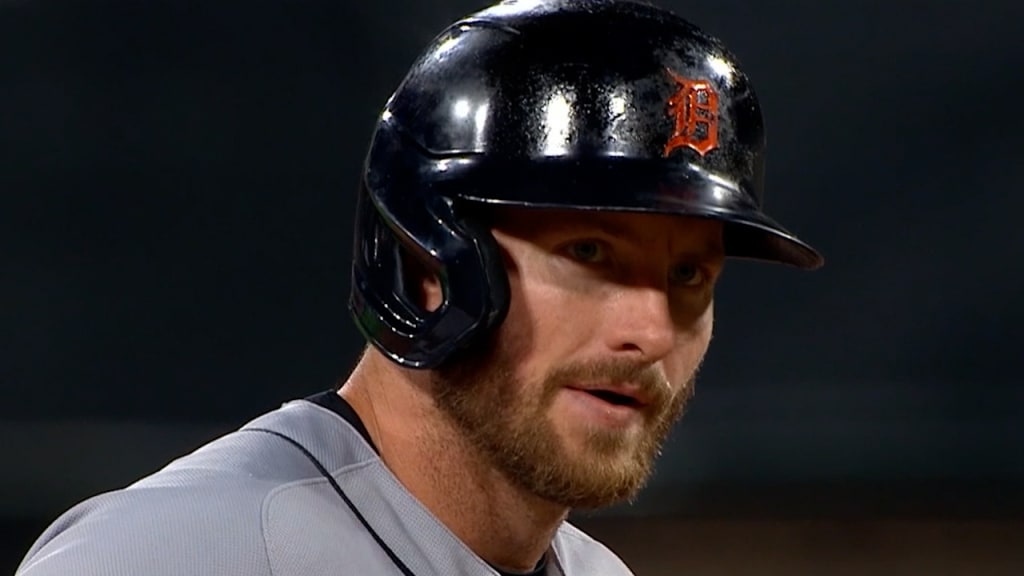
(614,397)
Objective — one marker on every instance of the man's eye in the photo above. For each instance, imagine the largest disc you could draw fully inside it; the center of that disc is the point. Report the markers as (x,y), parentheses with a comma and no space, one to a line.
(587,251)
(687,275)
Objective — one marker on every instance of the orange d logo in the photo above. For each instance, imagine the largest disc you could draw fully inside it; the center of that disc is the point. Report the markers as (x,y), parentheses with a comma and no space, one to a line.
(694,107)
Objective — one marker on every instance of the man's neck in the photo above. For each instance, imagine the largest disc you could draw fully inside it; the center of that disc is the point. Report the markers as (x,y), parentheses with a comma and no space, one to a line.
(504,525)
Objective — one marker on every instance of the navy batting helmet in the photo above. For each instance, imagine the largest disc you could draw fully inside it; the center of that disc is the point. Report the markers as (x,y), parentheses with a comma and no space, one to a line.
(591,105)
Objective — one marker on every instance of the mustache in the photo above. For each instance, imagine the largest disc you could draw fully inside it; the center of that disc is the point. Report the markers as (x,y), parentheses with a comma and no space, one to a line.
(651,381)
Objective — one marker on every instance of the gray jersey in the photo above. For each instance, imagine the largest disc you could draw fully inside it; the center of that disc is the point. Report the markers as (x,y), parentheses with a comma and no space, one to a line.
(299,491)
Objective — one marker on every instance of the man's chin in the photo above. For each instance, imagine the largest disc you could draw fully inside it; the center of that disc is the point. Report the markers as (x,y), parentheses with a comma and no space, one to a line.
(612,494)
(591,479)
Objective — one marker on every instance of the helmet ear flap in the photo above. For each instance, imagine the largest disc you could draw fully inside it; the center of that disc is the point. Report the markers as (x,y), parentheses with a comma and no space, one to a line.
(395,265)
(474,219)
(391,239)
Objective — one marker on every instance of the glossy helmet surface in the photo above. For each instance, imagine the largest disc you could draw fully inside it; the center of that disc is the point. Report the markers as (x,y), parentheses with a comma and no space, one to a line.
(591,105)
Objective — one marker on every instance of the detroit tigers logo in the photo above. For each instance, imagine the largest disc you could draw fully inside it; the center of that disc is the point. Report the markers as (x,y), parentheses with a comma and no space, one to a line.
(694,109)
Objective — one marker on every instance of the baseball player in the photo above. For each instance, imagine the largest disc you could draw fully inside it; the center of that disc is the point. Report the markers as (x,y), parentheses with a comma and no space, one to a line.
(548,200)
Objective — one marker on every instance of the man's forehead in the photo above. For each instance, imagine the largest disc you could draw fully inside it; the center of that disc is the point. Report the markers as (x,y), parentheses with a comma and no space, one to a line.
(615,222)
(631,222)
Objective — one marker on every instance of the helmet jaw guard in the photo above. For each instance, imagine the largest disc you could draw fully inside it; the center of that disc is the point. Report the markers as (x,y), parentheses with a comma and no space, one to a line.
(639,111)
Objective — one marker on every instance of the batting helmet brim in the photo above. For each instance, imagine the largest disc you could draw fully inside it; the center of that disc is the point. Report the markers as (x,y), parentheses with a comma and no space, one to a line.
(632,185)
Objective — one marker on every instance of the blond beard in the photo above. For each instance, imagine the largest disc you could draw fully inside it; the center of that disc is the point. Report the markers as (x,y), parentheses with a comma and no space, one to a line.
(508,424)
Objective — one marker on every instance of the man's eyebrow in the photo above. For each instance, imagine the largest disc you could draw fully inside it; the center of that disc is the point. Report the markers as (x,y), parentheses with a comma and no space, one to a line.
(611,227)
(597,221)
(712,248)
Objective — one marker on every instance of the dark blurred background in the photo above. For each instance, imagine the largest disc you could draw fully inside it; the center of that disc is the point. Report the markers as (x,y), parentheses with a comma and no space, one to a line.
(177,187)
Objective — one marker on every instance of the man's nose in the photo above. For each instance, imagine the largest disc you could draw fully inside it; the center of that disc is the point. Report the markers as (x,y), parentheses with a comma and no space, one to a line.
(641,323)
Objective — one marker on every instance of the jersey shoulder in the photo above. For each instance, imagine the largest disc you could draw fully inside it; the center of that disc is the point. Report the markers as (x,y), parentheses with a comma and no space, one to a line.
(202,514)
(154,531)
(580,553)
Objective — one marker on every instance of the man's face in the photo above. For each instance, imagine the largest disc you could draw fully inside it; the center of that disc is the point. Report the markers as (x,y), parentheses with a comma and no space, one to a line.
(610,317)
